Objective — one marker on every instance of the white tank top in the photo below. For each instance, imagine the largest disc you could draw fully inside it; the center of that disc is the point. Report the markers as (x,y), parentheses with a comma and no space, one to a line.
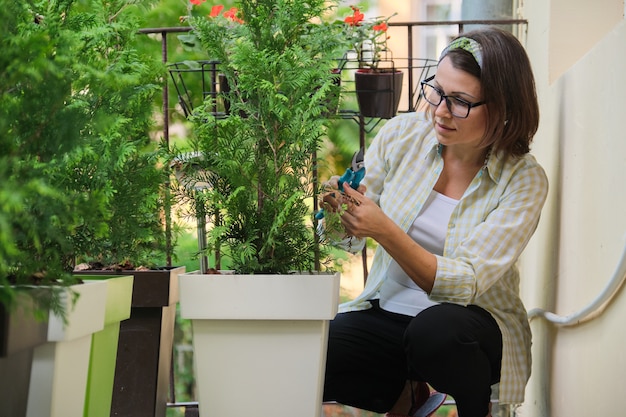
(398,293)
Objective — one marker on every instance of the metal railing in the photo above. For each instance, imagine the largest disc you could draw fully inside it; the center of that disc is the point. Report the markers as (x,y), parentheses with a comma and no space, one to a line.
(413,62)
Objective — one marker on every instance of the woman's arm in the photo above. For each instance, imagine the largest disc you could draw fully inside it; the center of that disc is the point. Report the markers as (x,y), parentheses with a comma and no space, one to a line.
(368,220)
(484,241)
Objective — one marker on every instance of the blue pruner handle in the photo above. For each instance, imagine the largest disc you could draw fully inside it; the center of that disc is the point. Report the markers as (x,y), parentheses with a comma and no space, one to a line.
(356,180)
(346,177)
(352,178)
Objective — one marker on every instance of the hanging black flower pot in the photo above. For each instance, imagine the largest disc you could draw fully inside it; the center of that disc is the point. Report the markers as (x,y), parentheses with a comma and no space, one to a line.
(378,92)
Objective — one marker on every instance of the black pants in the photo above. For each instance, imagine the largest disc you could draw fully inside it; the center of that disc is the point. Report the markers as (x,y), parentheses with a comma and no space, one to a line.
(371,353)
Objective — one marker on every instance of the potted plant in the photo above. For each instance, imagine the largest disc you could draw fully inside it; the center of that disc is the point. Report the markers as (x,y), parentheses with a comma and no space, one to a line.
(132,243)
(62,365)
(378,83)
(41,121)
(71,85)
(129,167)
(57,370)
(278,56)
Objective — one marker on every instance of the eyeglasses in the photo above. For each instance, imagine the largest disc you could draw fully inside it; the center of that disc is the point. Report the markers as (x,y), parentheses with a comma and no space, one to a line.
(457,106)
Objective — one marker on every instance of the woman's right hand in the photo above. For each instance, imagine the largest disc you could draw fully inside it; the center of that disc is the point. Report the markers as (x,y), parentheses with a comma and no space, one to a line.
(332,198)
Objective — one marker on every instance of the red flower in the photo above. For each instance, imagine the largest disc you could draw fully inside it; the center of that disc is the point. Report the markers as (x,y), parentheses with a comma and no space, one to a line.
(232,15)
(368,37)
(216,10)
(197,2)
(356,18)
(382,27)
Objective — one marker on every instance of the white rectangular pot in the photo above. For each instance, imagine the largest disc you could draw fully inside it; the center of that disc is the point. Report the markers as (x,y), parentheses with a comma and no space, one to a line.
(59,369)
(259,341)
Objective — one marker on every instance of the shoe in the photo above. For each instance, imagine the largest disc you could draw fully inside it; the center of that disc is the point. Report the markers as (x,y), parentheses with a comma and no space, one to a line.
(419,396)
(424,402)
(433,402)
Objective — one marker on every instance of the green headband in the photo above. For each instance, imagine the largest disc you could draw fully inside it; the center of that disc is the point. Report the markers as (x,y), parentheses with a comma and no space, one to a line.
(466,44)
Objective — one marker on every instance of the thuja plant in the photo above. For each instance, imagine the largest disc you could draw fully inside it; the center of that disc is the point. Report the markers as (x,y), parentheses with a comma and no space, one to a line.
(39,123)
(74,112)
(118,162)
(278,57)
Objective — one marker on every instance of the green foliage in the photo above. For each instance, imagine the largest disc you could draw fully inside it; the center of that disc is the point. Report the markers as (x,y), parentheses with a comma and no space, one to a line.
(76,163)
(118,163)
(278,63)
(36,121)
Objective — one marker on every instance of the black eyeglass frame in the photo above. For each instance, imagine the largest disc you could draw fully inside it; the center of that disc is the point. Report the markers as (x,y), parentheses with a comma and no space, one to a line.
(447,98)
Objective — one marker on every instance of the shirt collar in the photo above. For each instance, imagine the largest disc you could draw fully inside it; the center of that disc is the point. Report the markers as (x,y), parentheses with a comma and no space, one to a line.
(493,163)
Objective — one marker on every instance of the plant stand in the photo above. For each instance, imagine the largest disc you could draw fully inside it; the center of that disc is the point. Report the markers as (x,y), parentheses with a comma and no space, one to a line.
(259,341)
(146,339)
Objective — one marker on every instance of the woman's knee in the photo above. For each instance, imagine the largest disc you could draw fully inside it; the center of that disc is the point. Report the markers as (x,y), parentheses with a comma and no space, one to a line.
(450,339)
(432,332)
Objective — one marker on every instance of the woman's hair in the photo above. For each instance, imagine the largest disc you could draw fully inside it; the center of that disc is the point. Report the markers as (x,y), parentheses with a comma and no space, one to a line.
(508,88)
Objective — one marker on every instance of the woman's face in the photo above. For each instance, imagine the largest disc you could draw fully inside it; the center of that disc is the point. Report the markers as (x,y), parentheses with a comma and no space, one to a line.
(453,130)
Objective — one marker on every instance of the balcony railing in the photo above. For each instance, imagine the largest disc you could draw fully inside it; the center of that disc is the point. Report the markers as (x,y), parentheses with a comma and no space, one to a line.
(417,67)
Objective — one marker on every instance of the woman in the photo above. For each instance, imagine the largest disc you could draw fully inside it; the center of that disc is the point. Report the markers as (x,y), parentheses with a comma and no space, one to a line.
(452,197)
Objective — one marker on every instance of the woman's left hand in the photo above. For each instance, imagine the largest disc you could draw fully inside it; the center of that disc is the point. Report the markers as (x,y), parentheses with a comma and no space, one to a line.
(362,217)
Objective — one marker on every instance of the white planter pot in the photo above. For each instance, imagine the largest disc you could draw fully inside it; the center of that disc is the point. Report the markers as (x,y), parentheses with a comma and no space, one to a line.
(60,366)
(259,341)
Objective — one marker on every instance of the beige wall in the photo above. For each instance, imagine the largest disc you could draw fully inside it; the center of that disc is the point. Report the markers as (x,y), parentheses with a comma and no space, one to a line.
(579,56)
(576,26)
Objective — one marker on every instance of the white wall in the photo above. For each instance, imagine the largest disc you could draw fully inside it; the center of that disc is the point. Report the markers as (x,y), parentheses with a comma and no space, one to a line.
(579,58)
(576,26)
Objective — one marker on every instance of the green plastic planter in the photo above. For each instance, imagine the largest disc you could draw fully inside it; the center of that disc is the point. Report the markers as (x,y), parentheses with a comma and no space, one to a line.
(104,345)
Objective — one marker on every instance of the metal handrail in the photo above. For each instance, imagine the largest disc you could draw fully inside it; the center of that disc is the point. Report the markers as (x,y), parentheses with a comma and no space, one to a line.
(460,24)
